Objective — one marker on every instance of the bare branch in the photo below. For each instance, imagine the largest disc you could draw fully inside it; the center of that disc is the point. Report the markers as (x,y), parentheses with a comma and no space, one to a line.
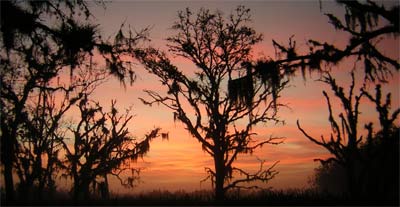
(263,175)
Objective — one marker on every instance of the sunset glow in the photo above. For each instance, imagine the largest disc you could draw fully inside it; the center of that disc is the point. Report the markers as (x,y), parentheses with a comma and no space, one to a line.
(179,163)
(112,109)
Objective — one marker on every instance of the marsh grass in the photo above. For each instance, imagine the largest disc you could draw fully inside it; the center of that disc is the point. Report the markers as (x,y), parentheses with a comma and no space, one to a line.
(290,197)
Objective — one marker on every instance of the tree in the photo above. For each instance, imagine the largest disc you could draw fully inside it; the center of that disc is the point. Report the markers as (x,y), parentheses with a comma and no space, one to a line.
(329,178)
(344,140)
(39,41)
(366,23)
(221,51)
(41,133)
(381,150)
(102,146)
(380,181)
(363,163)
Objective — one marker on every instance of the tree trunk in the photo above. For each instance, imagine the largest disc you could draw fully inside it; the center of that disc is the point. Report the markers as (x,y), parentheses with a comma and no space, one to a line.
(38,175)
(85,185)
(7,150)
(352,177)
(81,190)
(76,180)
(8,179)
(105,191)
(219,176)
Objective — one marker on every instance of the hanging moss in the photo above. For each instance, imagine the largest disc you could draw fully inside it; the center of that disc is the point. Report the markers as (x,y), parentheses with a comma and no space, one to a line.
(269,73)
(241,90)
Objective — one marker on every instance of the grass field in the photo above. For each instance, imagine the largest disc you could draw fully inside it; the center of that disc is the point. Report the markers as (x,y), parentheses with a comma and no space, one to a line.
(293,197)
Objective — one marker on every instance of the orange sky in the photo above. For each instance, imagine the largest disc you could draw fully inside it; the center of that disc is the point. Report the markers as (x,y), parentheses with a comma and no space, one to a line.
(179,163)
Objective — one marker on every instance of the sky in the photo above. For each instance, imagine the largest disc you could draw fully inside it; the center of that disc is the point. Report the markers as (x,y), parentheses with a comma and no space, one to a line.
(178,163)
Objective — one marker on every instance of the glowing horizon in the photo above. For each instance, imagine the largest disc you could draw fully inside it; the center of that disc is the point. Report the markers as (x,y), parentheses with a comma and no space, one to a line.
(178,163)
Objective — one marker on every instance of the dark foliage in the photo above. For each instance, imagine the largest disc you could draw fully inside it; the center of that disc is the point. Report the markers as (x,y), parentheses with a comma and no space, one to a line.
(379,180)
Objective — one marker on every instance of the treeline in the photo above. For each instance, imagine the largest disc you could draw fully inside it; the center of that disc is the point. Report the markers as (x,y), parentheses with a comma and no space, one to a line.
(48,70)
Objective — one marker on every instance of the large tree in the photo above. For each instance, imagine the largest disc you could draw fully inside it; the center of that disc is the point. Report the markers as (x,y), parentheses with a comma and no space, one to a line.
(41,41)
(221,51)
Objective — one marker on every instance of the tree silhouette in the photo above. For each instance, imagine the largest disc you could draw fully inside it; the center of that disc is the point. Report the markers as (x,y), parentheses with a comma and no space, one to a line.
(41,132)
(366,23)
(380,176)
(362,161)
(102,146)
(40,40)
(221,51)
(330,178)
(380,151)
(343,143)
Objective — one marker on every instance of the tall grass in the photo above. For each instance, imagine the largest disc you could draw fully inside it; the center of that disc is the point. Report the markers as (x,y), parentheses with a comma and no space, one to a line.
(304,197)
